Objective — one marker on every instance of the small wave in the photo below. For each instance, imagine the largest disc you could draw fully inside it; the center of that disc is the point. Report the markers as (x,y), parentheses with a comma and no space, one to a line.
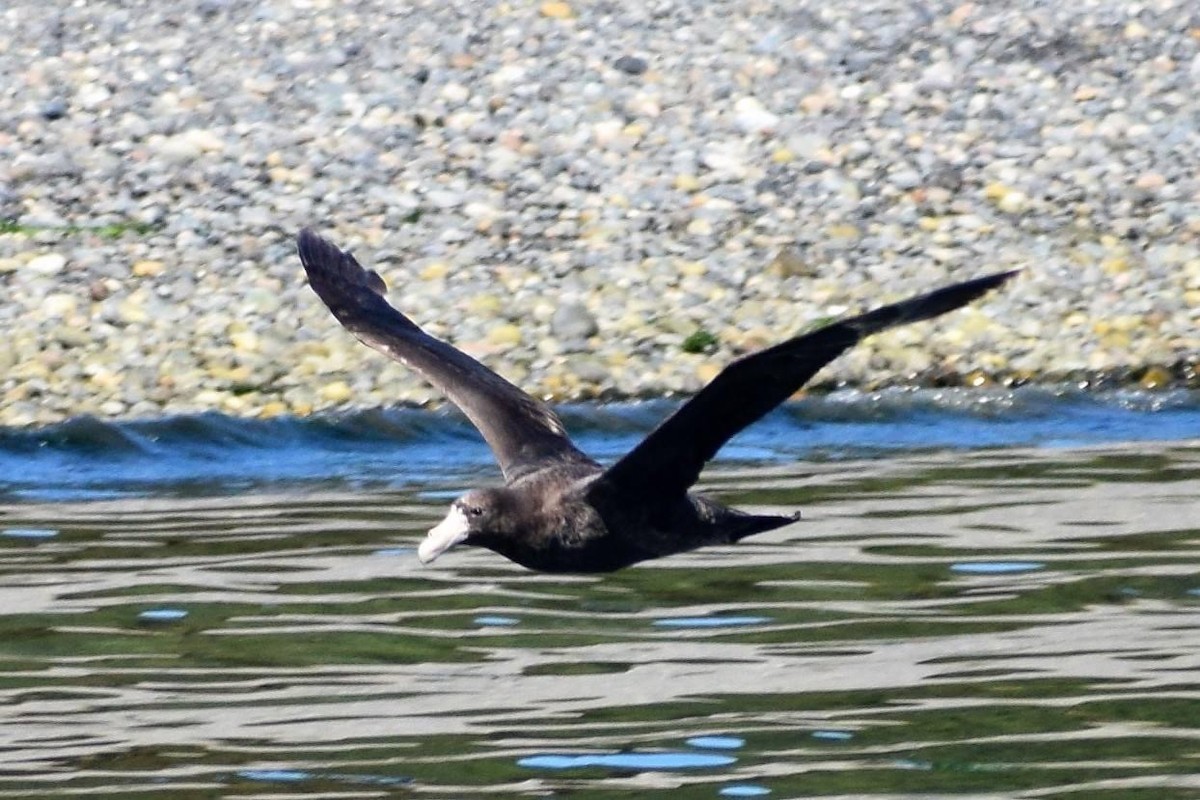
(212,453)
(78,435)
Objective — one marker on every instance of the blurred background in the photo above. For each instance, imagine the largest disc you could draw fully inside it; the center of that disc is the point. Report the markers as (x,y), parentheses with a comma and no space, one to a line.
(599,199)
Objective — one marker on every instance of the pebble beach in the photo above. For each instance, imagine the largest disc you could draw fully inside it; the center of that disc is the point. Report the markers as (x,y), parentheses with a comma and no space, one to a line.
(599,200)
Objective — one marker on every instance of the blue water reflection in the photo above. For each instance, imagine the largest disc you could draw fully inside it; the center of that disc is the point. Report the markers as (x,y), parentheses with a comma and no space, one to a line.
(995,567)
(29,533)
(634,761)
(708,622)
(717,742)
(744,790)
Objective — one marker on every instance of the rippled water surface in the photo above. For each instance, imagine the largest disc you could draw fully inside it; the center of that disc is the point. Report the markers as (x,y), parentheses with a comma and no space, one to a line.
(1000,622)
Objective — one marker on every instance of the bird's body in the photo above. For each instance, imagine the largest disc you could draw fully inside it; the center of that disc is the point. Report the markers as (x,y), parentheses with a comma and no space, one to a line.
(560,511)
(567,518)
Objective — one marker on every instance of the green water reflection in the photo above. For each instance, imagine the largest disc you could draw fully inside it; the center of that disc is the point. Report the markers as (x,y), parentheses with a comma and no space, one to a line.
(318,659)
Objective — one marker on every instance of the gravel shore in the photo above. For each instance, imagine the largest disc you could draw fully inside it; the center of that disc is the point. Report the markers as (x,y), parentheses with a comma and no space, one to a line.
(580,193)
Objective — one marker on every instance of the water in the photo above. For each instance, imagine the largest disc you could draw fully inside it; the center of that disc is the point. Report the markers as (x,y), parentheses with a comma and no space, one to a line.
(210,453)
(960,613)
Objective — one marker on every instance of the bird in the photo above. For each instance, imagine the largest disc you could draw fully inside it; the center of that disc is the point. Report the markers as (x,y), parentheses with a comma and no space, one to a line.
(559,510)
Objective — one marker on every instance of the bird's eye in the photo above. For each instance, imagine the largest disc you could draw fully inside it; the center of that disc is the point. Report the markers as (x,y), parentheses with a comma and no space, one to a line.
(475,511)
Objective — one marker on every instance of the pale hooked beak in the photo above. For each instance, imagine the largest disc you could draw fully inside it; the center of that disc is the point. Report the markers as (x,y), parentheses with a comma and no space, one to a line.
(447,533)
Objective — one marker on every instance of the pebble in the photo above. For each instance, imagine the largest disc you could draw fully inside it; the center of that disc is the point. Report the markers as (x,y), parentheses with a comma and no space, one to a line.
(335,392)
(556,10)
(751,116)
(148,268)
(631,65)
(505,335)
(48,264)
(571,194)
(54,109)
(573,321)
(59,304)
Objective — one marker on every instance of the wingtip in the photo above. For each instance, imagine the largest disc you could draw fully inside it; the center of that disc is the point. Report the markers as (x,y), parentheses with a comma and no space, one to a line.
(324,261)
(309,244)
(977,287)
(998,278)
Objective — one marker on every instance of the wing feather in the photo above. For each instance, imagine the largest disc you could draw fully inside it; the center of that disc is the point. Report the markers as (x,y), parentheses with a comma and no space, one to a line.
(669,460)
(522,431)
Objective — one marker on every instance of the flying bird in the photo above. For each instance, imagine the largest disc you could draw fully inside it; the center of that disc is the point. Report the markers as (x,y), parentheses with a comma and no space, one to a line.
(559,510)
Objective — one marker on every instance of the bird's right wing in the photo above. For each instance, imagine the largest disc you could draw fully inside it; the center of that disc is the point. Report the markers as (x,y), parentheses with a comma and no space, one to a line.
(522,431)
(669,460)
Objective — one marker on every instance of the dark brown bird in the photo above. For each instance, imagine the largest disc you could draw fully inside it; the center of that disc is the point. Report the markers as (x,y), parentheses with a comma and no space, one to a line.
(560,511)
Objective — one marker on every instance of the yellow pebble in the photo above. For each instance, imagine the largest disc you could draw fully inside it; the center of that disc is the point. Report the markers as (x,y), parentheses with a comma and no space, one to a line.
(272,408)
(994,191)
(1128,322)
(505,335)
(131,310)
(844,231)
(244,341)
(434,271)
(977,378)
(1136,30)
(1117,340)
(103,379)
(553,387)
(686,182)
(788,262)
(336,392)
(1115,265)
(707,371)
(485,304)
(1013,202)
(1155,378)
(556,10)
(148,269)
(235,404)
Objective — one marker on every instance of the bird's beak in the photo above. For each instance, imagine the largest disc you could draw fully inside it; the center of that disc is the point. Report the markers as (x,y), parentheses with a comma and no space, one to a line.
(447,533)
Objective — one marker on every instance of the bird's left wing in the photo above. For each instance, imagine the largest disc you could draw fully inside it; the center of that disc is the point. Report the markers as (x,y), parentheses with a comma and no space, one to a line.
(522,431)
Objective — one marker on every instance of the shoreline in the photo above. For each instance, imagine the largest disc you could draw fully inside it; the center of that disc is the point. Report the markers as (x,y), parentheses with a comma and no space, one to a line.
(1149,381)
(595,203)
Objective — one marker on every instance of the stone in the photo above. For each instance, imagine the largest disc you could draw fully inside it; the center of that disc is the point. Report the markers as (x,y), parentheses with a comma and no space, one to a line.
(750,116)
(631,65)
(556,10)
(573,321)
(47,264)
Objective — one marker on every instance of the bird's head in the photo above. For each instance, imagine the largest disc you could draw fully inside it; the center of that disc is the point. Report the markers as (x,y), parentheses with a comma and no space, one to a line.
(476,518)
